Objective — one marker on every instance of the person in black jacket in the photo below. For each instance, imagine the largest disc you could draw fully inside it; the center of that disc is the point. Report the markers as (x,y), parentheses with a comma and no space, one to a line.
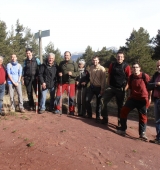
(29,76)
(48,79)
(154,85)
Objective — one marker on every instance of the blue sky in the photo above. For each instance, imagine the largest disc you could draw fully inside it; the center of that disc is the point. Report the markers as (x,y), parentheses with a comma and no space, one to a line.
(75,24)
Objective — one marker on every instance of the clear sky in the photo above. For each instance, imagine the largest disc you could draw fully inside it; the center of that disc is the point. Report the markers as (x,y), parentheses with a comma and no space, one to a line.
(75,24)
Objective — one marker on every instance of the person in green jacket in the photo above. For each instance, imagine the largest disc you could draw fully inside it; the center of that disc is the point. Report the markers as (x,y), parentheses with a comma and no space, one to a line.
(68,71)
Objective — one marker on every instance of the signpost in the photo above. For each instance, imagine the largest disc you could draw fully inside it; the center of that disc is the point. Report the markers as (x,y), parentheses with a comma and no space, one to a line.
(39,35)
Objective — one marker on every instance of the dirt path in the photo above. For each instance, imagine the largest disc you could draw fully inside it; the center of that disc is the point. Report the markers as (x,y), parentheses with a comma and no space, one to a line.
(71,143)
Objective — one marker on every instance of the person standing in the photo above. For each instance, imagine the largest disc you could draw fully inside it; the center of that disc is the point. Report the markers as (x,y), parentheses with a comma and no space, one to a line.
(139,98)
(68,71)
(154,85)
(30,75)
(97,87)
(119,73)
(81,85)
(2,83)
(14,71)
(48,79)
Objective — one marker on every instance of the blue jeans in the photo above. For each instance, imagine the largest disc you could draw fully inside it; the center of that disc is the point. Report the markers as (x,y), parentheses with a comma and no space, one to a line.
(2,91)
(157,117)
(43,98)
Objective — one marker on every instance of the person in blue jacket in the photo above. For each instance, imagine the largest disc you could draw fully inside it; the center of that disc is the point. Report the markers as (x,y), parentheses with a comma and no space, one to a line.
(14,71)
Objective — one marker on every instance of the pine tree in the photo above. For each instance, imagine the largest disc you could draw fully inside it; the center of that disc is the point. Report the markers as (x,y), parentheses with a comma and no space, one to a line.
(50,49)
(4,42)
(138,48)
(156,42)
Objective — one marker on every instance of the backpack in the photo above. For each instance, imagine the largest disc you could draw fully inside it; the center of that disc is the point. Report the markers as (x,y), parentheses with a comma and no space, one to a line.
(143,78)
(26,69)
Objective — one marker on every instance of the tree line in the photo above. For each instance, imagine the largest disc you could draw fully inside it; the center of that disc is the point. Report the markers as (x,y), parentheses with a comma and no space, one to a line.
(139,46)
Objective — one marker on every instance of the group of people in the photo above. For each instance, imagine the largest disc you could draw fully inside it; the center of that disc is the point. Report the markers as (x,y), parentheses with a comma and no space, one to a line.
(83,84)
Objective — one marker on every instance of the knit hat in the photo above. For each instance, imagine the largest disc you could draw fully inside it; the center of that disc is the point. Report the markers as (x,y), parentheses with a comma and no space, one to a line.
(81,61)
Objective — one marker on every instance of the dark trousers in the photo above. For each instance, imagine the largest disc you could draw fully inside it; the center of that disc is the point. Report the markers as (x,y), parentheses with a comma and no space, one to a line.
(142,110)
(91,91)
(31,84)
(81,101)
(111,92)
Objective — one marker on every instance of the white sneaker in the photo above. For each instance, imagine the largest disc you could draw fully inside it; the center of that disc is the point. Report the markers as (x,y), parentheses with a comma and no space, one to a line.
(143,136)
(121,132)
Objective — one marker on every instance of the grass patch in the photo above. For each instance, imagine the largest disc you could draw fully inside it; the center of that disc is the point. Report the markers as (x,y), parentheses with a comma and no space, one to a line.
(63,131)
(26,139)
(14,131)
(30,144)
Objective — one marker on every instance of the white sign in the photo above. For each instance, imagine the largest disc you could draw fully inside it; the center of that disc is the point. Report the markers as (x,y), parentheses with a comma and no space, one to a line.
(45,33)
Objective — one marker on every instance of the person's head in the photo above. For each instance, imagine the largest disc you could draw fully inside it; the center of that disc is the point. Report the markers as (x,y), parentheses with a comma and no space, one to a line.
(95,60)
(1,60)
(51,58)
(158,65)
(120,57)
(81,63)
(13,58)
(136,68)
(29,53)
(67,55)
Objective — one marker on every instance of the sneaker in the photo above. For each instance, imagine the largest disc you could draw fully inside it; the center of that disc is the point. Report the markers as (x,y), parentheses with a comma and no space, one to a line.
(71,113)
(41,111)
(155,141)
(22,110)
(121,132)
(104,121)
(143,136)
(57,111)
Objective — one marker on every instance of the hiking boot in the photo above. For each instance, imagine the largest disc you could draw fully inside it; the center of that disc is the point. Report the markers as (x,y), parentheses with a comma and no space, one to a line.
(41,112)
(31,109)
(155,141)
(88,116)
(143,136)
(57,111)
(104,121)
(22,110)
(12,109)
(121,132)
(71,113)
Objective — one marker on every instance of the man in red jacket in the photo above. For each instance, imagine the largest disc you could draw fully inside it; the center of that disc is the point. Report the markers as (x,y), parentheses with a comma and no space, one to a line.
(2,83)
(139,98)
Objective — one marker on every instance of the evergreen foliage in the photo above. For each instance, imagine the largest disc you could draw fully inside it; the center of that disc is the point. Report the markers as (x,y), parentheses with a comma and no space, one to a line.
(156,42)
(50,49)
(138,48)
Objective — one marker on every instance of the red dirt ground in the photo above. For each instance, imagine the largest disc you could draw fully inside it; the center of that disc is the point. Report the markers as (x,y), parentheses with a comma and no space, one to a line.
(72,143)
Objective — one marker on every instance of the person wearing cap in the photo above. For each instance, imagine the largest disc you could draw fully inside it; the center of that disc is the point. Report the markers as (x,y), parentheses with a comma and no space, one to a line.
(67,72)
(154,85)
(97,87)
(81,85)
